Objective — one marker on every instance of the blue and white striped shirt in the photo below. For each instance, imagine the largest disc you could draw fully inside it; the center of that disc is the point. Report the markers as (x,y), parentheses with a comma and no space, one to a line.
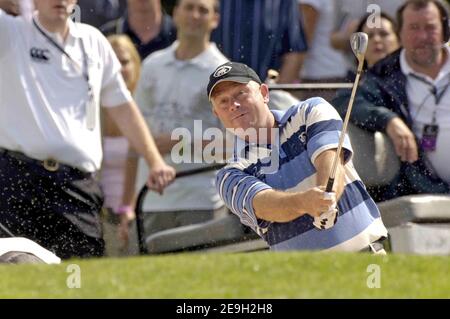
(305,131)
(259,32)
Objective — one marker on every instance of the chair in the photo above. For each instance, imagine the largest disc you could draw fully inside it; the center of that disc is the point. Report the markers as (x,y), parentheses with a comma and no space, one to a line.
(418,224)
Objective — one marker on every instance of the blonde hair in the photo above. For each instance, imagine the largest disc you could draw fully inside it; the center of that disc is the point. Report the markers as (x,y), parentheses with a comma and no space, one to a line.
(124,42)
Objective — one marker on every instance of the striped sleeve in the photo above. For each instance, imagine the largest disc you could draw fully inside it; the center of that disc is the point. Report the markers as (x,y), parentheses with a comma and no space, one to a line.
(323,129)
(237,189)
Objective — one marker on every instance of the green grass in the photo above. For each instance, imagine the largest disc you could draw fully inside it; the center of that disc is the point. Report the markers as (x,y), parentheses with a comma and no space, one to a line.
(255,275)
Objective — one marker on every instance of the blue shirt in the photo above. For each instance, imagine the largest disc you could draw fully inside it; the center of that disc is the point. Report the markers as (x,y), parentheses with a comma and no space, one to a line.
(259,32)
(305,131)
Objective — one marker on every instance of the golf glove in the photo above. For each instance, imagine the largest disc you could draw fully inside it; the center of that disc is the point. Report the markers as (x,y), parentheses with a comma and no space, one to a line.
(328,219)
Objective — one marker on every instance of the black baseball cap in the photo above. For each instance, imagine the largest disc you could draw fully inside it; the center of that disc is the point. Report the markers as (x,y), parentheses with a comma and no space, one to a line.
(231,71)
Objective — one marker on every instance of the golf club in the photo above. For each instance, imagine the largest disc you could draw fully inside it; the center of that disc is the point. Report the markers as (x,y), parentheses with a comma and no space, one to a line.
(358,41)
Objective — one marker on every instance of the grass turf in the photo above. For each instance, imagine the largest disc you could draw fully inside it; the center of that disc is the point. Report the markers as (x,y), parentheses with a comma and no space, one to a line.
(251,275)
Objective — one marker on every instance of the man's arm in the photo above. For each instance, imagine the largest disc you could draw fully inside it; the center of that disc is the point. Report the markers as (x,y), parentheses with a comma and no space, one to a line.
(310,16)
(290,69)
(293,44)
(132,125)
(283,207)
(323,164)
(370,113)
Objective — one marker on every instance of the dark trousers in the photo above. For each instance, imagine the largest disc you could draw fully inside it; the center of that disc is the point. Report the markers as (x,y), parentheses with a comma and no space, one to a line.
(58,210)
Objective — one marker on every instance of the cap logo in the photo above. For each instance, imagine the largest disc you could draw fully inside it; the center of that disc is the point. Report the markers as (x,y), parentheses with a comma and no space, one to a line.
(222,71)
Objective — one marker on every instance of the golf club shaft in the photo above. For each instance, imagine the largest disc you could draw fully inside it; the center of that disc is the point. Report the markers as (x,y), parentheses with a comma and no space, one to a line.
(337,156)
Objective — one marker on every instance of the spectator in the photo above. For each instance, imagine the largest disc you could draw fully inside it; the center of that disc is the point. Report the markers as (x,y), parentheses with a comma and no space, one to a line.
(50,141)
(275,182)
(171,95)
(116,157)
(99,12)
(406,95)
(264,34)
(322,62)
(348,14)
(146,24)
(383,40)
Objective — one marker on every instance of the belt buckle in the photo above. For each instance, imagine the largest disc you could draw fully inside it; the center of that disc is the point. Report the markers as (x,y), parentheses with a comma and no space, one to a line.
(50,164)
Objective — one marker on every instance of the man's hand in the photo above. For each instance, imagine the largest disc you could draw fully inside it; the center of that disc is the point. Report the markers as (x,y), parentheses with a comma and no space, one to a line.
(123,229)
(317,201)
(403,139)
(161,175)
(329,218)
(10,6)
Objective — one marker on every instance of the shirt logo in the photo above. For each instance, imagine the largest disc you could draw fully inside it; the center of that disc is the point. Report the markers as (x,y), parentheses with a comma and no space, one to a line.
(222,71)
(40,55)
(302,137)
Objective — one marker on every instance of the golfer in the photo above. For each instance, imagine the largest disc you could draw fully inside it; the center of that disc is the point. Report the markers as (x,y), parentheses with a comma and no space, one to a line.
(282,159)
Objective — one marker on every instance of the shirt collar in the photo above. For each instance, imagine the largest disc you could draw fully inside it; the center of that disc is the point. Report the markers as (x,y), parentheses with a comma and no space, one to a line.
(200,60)
(407,69)
(280,119)
(74,31)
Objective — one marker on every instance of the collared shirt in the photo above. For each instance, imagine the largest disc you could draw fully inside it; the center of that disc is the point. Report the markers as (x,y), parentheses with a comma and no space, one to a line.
(172,95)
(167,35)
(259,32)
(423,108)
(43,95)
(305,131)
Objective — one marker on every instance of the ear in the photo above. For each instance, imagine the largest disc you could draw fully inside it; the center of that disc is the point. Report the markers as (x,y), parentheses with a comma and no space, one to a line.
(175,16)
(216,21)
(214,112)
(265,92)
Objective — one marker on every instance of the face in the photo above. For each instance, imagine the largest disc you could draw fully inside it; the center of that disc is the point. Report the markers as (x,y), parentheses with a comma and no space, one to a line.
(142,4)
(128,67)
(195,18)
(55,10)
(422,35)
(382,41)
(242,105)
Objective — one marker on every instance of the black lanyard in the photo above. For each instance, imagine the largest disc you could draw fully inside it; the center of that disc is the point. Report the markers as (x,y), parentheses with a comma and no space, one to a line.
(84,69)
(434,90)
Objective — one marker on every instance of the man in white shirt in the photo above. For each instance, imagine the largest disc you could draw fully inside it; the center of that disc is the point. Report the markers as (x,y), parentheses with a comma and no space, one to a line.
(53,79)
(407,95)
(171,95)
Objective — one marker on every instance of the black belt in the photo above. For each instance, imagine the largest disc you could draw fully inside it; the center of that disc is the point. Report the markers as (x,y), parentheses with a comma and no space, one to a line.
(49,164)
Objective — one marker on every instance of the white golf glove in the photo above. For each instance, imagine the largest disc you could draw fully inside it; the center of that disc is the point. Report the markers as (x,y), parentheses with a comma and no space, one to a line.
(328,219)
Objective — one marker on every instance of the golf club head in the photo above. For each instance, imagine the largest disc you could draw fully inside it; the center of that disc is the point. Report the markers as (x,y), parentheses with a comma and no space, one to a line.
(359,41)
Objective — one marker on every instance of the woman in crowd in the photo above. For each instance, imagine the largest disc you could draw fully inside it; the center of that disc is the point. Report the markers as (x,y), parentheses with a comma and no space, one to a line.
(117,157)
